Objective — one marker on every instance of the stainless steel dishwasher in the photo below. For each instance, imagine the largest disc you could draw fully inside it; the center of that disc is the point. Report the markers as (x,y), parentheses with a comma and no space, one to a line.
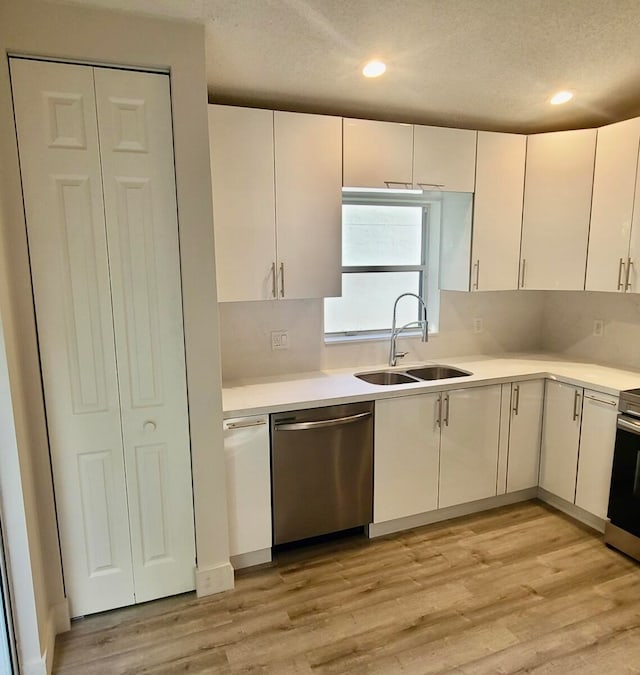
(321,470)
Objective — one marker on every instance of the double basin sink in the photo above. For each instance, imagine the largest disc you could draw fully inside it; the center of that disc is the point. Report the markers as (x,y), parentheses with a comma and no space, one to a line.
(412,375)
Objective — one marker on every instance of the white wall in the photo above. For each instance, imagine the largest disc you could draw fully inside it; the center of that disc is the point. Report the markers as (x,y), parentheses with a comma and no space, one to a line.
(511,323)
(41,29)
(568,326)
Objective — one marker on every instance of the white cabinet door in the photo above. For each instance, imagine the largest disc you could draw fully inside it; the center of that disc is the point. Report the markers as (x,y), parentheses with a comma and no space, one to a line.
(614,183)
(633,263)
(246,451)
(560,439)
(377,154)
(308,165)
(243,178)
(60,166)
(597,438)
(525,430)
(136,149)
(557,204)
(497,211)
(407,445)
(469,444)
(444,159)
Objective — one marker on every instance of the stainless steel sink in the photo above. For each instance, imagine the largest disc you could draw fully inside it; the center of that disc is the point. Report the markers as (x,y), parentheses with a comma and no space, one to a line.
(386,377)
(412,375)
(437,372)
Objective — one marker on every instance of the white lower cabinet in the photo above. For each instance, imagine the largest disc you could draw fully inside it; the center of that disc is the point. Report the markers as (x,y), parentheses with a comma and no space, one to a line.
(406,456)
(525,427)
(599,420)
(435,450)
(469,444)
(246,451)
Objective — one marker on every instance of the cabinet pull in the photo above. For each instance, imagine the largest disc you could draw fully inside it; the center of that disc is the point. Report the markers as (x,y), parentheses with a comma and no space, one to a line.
(620,272)
(439,414)
(523,265)
(274,292)
(245,425)
(477,269)
(446,409)
(627,282)
(437,186)
(516,399)
(576,401)
(282,280)
(390,183)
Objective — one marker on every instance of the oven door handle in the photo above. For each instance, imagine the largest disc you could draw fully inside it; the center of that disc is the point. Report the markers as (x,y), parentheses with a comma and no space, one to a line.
(629,425)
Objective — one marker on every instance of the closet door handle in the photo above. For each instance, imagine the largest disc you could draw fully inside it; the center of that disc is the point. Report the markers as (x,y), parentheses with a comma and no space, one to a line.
(620,272)
(282,280)
(149,425)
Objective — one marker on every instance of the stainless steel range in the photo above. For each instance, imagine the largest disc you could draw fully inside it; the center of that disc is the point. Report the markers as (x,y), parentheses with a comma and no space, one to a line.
(623,530)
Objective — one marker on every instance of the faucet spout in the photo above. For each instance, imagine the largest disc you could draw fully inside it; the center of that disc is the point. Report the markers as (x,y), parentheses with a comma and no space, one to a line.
(394,355)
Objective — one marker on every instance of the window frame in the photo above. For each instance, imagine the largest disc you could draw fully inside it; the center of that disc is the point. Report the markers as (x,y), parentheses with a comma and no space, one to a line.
(402,198)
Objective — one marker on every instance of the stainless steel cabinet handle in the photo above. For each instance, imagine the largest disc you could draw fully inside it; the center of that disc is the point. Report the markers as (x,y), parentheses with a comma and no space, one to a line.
(620,271)
(599,400)
(627,282)
(629,425)
(576,401)
(300,426)
(282,280)
(274,292)
(438,186)
(439,414)
(523,265)
(389,183)
(446,409)
(477,269)
(516,399)
(245,425)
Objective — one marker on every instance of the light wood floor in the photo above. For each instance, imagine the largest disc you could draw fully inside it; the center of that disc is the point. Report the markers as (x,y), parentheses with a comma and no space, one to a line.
(521,589)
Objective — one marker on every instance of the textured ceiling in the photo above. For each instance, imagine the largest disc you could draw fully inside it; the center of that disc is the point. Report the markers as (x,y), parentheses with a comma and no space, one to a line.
(486,64)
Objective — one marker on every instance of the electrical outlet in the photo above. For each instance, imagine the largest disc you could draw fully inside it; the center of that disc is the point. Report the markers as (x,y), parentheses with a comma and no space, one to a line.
(598,327)
(477,325)
(279,339)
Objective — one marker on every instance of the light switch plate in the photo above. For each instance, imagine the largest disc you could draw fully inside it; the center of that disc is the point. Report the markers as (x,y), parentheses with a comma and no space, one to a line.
(279,339)
(477,325)
(598,327)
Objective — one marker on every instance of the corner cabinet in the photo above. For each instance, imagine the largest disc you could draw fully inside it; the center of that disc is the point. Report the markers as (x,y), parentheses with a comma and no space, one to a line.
(556,212)
(96,157)
(497,211)
(277,202)
(613,249)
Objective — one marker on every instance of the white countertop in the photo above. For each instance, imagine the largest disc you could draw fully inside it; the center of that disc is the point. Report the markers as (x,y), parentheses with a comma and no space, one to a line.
(330,387)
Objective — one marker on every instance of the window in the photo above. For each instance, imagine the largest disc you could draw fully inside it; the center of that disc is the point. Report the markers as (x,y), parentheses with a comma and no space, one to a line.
(388,248)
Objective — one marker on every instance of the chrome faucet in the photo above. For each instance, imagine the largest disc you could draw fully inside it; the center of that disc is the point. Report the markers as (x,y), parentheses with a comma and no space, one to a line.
(423,323)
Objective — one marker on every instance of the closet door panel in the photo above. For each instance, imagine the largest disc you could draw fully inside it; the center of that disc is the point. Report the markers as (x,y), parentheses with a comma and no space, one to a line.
(136,144)
(60,165)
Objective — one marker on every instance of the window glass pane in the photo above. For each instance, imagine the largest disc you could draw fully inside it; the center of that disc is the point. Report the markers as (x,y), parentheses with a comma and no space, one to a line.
(381,235)
(367,301)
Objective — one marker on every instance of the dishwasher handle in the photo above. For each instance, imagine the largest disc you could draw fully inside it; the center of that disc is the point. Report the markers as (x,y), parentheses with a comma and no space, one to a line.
(318,424)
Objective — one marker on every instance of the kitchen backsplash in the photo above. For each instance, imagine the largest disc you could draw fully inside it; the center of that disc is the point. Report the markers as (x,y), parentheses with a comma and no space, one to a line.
(511,322)
(568,326)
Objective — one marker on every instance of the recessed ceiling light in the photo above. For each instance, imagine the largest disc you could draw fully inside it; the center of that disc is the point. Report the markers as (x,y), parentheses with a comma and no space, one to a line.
(561,97)
(374,69)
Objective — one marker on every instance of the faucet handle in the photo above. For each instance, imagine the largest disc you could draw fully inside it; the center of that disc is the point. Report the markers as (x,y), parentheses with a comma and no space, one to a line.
(400,355)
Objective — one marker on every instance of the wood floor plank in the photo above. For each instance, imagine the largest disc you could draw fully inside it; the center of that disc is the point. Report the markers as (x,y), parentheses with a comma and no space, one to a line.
(518,589)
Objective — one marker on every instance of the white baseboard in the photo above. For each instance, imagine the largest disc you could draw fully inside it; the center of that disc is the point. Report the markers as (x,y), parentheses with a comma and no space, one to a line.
(572,510)
(409,522)
(251,559)
(210,580)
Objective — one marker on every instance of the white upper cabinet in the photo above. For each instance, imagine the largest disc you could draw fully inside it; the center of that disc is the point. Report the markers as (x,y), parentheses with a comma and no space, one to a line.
(444,159)
(377,154)
(277,200)
(497,213)
(557,202)
(614,185)
(308,161)
(633,272)
(242,169)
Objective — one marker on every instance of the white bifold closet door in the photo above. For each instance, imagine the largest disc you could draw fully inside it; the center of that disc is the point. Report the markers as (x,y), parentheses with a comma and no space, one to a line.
(96,154)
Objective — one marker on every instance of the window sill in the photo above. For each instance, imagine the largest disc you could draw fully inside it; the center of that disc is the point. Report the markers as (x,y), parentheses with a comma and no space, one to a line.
(381,336)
